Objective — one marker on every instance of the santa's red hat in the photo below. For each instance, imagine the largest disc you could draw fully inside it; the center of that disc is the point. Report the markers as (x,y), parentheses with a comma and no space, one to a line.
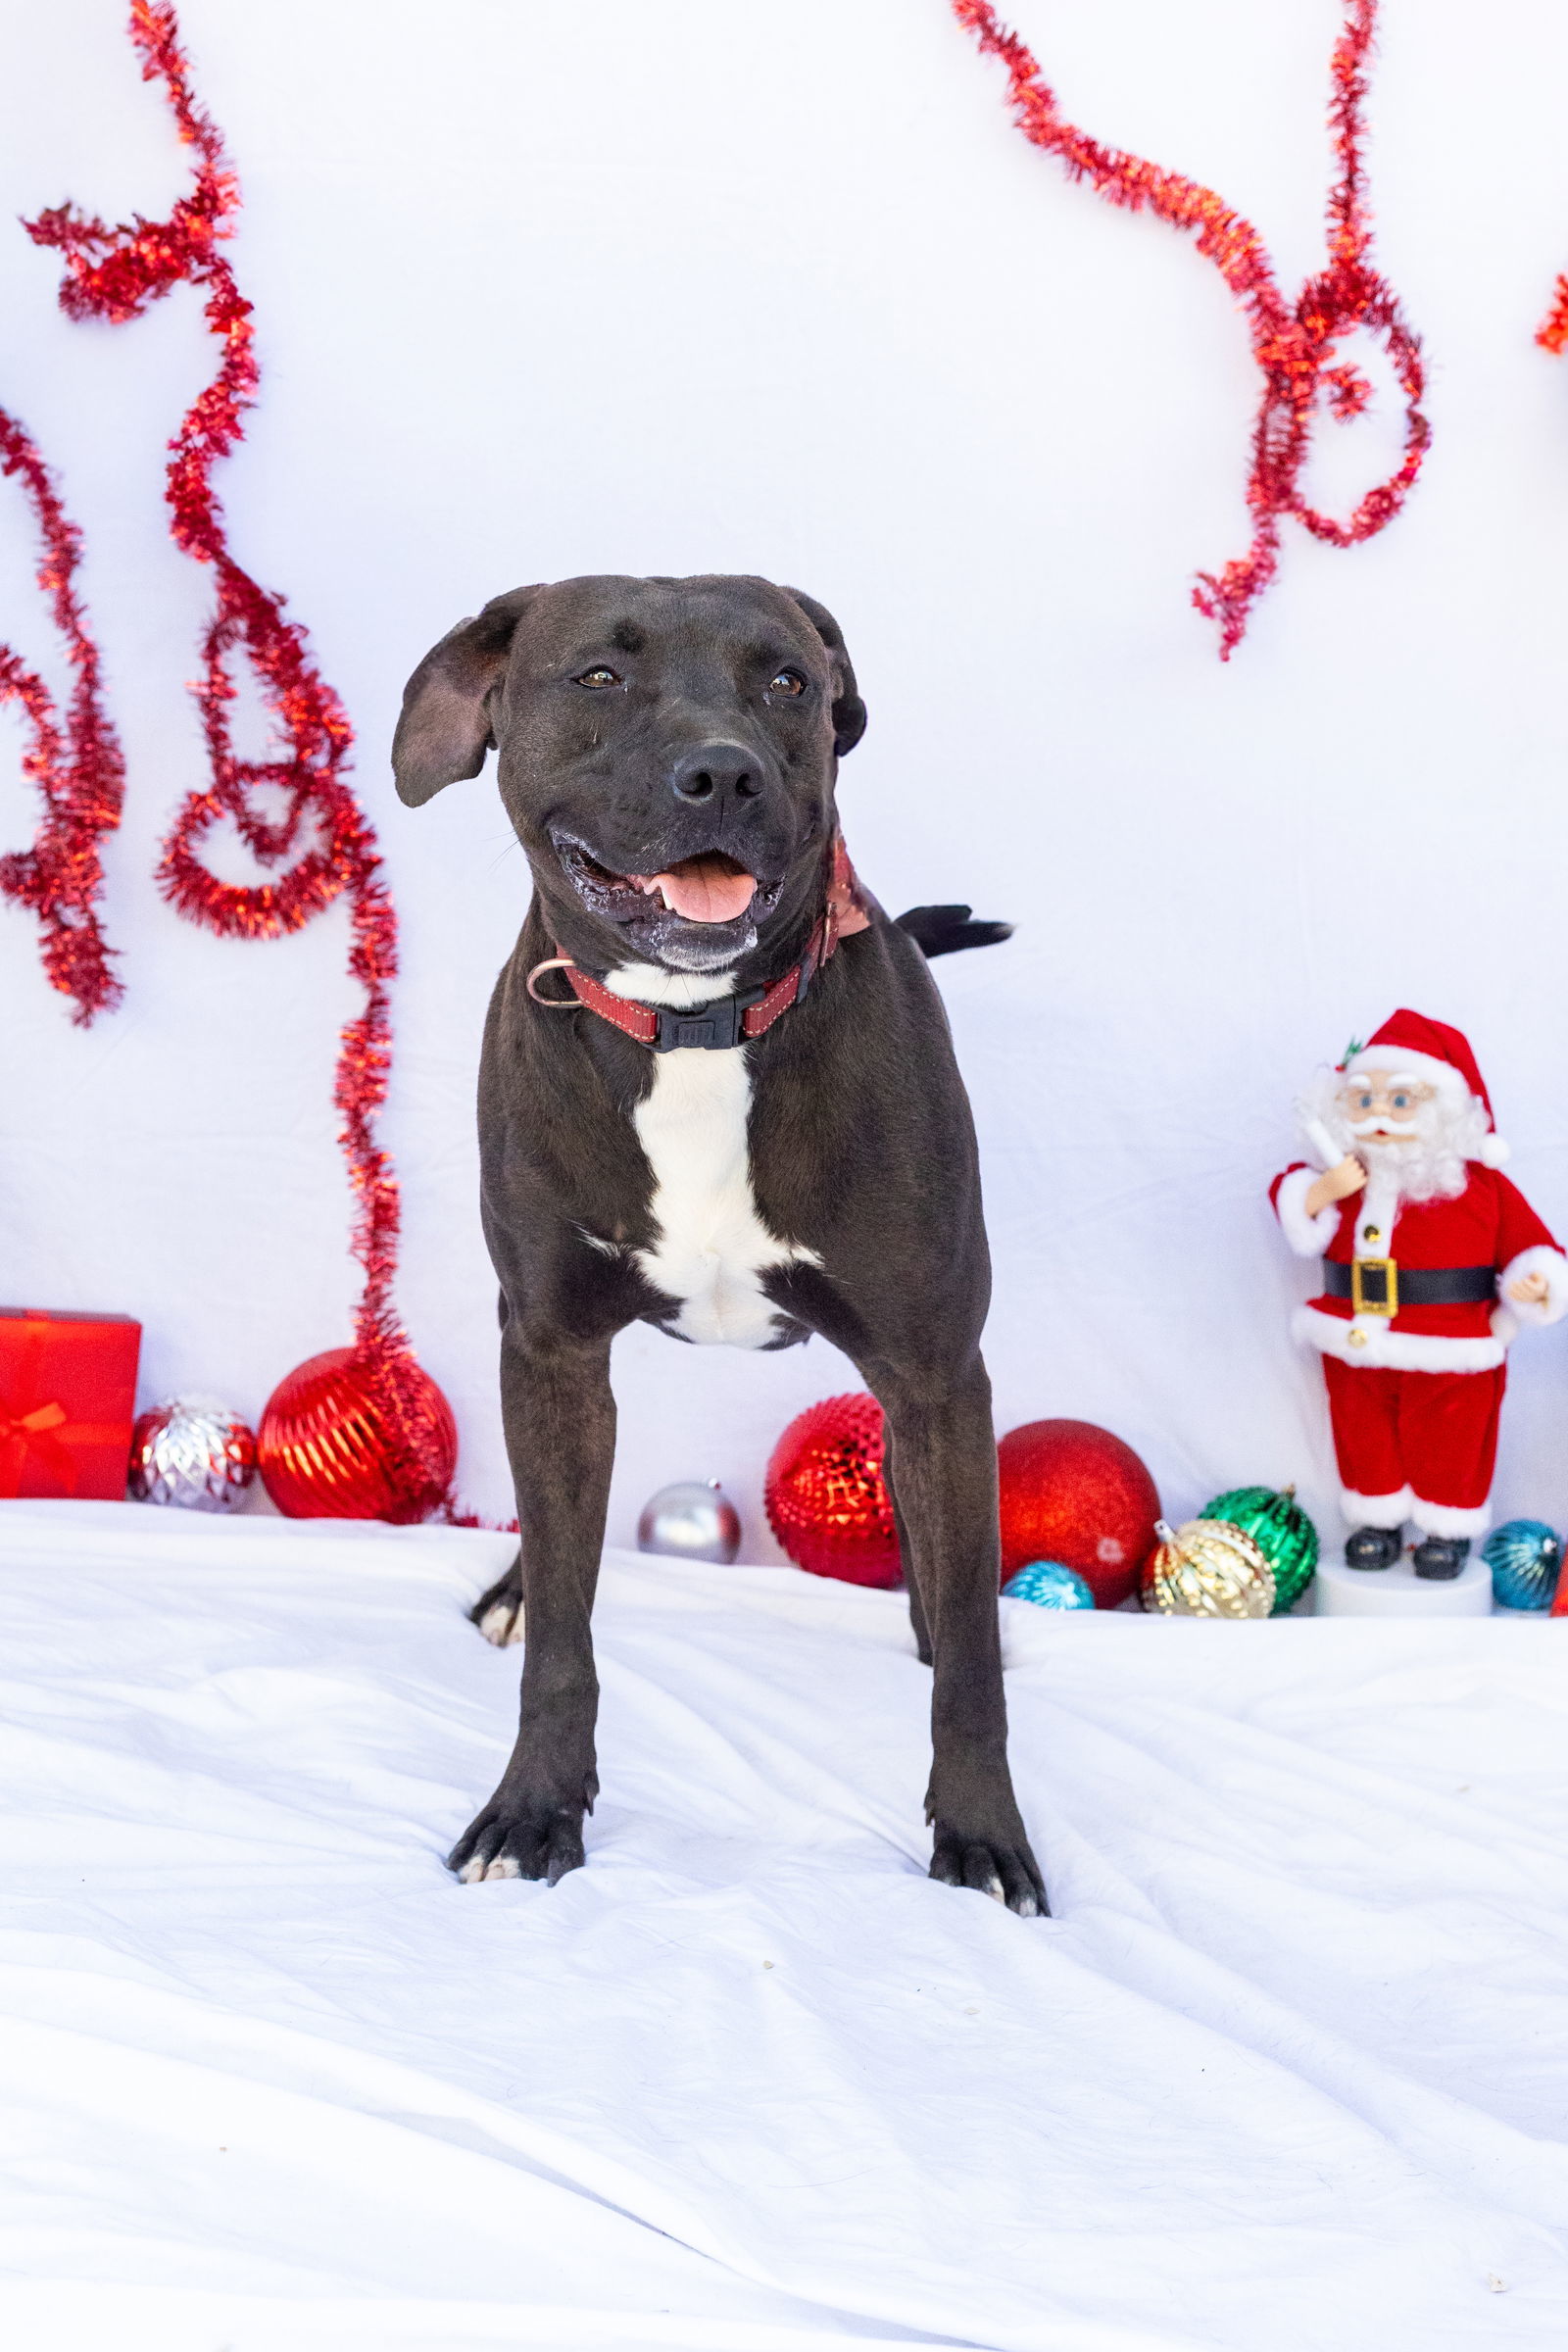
(1409,1044)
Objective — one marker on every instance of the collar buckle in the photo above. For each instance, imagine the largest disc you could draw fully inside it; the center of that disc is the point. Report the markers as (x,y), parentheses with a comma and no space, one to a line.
(713,1027)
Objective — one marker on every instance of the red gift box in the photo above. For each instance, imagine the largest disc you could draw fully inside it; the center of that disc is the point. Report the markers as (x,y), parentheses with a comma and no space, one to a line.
(67,1398)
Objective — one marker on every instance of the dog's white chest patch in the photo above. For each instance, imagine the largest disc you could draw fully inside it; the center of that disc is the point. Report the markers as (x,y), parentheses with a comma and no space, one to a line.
(712,1247)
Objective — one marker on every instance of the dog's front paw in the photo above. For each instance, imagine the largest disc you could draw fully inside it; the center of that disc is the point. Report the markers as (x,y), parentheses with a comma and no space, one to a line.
(1002,1867)
(498,1614)
(514,1838)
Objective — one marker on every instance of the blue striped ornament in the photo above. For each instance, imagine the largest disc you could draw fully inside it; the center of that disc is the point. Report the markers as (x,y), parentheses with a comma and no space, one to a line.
(1050,1586)
(1524,1556)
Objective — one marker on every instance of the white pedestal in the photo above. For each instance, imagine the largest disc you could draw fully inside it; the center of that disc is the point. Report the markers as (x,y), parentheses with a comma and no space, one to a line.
(1399,1591)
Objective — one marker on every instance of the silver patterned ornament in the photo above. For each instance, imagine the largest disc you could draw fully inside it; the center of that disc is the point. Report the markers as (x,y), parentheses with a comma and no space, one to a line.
(1525,1556)
(193,1454)
(689,1521)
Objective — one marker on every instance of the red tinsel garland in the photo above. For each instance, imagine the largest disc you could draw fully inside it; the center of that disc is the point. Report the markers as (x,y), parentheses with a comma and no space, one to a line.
(78,767)
(115,272)
(1552,333)
(1294,346)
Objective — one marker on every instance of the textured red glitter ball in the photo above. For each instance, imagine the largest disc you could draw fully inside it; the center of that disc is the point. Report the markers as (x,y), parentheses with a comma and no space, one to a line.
(827,1498)
(329,1448)
(1074,1493)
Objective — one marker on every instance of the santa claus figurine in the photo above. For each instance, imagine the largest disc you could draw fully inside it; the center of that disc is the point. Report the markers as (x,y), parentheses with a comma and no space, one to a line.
(1431,1261)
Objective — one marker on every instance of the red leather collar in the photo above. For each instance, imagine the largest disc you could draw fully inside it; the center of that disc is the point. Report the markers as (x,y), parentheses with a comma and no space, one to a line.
(723,1021)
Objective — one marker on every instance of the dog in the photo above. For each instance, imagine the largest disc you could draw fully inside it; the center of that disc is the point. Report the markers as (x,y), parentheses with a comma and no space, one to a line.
(717,1094)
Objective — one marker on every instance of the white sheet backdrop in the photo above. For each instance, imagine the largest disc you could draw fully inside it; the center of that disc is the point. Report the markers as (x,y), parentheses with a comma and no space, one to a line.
(674,285)
(1286,2071)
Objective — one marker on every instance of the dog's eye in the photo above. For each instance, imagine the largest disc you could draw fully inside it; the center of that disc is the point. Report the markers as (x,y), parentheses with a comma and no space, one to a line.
(786,681)
(597,678)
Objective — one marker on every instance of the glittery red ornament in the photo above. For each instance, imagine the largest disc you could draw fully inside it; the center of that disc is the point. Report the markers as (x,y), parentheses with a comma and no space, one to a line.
(334,1443)
(1074,1493)
(826,1495)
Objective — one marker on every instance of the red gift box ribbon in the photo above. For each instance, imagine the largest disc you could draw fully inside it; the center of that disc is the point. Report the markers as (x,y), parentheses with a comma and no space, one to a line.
(46,1430)
(19,1432)
(49,1432)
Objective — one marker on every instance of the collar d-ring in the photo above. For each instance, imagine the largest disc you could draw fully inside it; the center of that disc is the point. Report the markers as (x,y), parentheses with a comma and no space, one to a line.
(553,963)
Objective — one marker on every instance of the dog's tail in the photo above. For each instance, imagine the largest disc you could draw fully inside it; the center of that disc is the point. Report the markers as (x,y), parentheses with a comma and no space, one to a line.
(944,930)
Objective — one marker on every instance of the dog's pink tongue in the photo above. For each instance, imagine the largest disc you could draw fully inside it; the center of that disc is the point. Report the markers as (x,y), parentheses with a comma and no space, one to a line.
(710,889)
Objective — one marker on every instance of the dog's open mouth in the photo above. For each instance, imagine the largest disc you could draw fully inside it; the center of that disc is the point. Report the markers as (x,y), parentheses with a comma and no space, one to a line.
(710,888)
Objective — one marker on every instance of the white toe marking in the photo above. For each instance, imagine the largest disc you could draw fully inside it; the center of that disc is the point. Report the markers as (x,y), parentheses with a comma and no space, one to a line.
(501,1623)
(471,1873)
(503,1867)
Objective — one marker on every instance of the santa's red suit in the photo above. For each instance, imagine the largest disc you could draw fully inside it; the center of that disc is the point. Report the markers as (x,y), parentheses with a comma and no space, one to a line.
(1414,1398)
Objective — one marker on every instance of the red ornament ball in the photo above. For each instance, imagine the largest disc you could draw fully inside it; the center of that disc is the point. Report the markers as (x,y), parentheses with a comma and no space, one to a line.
(329,1445)
(826,1495)
(1074,1493)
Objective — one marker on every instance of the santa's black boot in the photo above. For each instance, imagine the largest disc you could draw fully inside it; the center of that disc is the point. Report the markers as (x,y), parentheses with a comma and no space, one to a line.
(1372,1547)
(1441,1556)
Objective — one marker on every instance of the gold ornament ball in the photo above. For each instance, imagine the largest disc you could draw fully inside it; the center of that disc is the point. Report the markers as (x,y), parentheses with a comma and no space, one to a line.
(1207,1568)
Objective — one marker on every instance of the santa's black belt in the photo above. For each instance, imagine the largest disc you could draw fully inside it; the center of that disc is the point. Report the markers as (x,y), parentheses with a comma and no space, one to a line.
(1379,1286)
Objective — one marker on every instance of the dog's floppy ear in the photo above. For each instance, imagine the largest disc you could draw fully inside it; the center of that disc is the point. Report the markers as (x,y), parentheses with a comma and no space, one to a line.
(444,731)
(849,712)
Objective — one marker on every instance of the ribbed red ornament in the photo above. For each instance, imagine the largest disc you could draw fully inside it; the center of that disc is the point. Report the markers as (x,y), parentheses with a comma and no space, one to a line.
(1074,1493)
(332,1444)
(826,1495)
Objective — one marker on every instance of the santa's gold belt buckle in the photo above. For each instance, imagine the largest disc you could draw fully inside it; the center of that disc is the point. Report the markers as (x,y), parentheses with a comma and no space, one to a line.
(1382,1297)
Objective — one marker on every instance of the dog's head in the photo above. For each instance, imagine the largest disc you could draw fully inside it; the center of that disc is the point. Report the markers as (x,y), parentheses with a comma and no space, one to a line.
(668,752)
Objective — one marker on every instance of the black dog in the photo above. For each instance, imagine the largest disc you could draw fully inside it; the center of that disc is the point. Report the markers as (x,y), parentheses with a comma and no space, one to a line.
(695,1114)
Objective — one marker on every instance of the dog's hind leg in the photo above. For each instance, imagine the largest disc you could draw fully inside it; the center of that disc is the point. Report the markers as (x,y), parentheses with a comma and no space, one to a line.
(944,1459)
(917,1618)
(498,1611)
(559,1420)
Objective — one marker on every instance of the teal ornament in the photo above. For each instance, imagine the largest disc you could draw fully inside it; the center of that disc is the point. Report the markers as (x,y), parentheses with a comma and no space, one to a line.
(1524,1556)
(1050,1586)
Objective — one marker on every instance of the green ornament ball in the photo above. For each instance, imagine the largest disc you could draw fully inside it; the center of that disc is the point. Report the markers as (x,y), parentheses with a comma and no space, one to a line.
(1282,1532)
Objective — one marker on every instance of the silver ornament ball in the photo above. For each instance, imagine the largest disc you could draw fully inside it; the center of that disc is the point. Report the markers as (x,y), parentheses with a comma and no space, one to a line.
(689,1521)
(191,1453)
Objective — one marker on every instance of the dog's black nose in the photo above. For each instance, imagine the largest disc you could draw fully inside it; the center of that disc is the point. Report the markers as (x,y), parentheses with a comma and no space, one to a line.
(714,770)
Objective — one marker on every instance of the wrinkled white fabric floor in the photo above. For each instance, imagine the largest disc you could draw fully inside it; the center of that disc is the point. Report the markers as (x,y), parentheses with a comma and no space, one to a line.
(1288,2069)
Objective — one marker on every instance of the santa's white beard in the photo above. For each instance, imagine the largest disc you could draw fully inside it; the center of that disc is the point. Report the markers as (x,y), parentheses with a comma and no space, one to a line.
(1427,1166)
